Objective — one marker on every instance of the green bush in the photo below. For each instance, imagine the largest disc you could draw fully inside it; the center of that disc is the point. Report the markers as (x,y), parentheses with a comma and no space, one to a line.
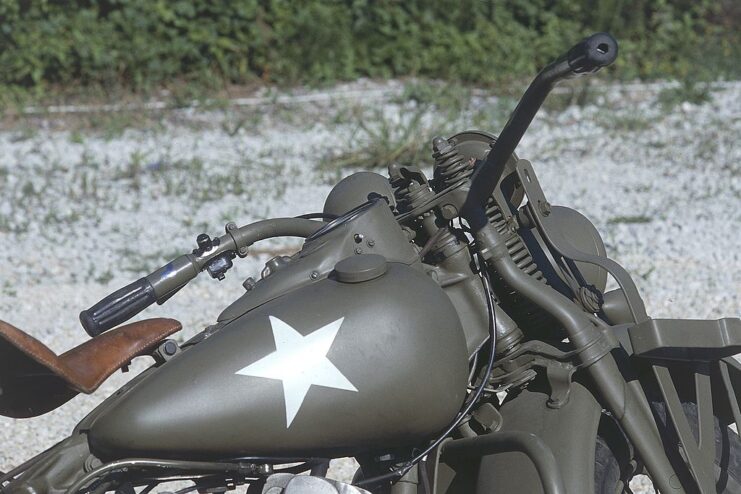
(142,44)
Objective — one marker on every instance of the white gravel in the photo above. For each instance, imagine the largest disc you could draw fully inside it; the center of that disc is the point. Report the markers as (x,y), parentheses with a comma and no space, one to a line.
(82,213)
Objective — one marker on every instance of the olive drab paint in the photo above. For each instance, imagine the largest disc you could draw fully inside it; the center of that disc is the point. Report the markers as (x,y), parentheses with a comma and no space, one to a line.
(382,368)
(390,337)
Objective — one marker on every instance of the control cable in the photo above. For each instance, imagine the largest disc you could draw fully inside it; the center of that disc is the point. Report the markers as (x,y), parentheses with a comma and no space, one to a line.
(399,471)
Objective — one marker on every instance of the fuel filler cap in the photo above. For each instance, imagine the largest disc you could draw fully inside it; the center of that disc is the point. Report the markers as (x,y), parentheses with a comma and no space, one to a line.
(360,268)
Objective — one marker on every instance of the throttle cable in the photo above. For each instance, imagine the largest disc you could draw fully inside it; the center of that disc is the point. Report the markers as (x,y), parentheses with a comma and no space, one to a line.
(400,471)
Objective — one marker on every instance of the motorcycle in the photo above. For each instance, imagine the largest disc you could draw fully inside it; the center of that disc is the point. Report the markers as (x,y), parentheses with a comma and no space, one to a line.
(453,334)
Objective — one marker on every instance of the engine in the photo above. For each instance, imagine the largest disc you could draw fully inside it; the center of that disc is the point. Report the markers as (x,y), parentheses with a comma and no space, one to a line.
(455,162)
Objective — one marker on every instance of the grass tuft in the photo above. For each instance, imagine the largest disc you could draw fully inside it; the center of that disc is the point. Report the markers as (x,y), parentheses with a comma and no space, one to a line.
(629,220)
(689,91)
(380,139)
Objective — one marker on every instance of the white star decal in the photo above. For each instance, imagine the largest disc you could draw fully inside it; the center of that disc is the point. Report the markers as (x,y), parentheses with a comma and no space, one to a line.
(300,361)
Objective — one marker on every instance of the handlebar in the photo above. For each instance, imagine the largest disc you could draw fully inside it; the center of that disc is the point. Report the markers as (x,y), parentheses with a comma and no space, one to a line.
(213,255)
(588,56)
(118,307)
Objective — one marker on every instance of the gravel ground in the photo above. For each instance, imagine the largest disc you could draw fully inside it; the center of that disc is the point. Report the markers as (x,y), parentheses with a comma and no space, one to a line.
(83,212)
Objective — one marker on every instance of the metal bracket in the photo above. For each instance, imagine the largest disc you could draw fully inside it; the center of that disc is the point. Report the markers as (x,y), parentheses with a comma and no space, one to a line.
(559,378)
(596,349)
(559,373)
(699,455)
(686,339)
(488,417)
(559,365)
(561,246)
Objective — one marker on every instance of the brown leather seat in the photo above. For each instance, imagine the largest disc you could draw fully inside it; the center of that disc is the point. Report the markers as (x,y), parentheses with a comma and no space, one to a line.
(34,380)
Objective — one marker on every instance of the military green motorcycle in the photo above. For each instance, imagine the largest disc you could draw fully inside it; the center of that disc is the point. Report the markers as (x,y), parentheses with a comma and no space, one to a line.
(452,333)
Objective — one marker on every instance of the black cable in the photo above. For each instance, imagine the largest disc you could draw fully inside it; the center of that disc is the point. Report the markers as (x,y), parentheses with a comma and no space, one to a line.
(312,216)
(399,472)
(474,364)
(187,489)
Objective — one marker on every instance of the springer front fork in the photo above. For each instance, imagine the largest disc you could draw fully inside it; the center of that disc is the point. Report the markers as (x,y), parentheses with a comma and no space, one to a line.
(626,401)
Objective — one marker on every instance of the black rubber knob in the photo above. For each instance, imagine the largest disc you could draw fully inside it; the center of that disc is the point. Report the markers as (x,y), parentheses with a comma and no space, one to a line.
(118,307)
(204,243)
(592,53)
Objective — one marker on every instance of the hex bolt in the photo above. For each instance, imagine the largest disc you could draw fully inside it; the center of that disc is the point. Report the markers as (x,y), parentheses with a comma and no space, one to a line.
(440,145)
(449,211)
(545,208)
(358,250)
(314,275)
(371,242)
(170,348)
(231,226)
(249,283)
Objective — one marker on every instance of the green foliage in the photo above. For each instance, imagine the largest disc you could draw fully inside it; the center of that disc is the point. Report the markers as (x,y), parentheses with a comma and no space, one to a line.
(142,44)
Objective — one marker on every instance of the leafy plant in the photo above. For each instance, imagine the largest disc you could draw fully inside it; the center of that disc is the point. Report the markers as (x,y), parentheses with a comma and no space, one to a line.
(146,44)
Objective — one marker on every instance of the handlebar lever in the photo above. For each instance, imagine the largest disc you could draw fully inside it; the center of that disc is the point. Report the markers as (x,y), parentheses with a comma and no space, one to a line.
(212,255)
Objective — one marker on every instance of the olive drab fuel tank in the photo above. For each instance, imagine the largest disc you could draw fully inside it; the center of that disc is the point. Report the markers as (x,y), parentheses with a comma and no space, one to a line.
(371,356)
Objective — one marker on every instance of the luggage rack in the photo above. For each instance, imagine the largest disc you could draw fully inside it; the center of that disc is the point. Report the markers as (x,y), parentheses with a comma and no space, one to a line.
(692,361)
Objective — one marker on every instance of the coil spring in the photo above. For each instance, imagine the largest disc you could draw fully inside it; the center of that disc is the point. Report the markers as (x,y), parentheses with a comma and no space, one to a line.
(521,309)
(409,193)
(452,169)
(450,166)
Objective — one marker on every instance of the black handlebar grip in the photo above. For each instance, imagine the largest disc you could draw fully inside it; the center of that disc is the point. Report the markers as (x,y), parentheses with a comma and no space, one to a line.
(118,307)
(589,55)
(592,53)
